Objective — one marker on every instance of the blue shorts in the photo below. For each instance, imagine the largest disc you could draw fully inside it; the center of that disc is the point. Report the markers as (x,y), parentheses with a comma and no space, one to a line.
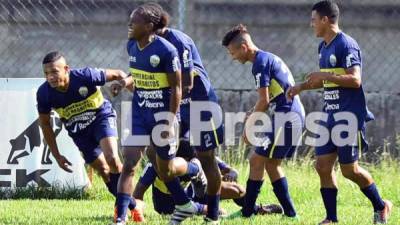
(209,140)
(143,122)
(348,153)
(163,203)
(280,142)
(88,142)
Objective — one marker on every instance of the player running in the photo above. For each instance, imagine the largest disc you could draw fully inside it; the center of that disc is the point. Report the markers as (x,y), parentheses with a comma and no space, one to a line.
(89,118)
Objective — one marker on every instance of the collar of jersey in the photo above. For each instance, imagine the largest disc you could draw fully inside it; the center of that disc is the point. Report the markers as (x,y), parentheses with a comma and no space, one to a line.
(333,39)
(141,49)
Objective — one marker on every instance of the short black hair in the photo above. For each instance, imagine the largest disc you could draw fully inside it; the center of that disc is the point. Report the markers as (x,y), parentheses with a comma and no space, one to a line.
(233,34)
(327,8)
(52,57)
(153,13)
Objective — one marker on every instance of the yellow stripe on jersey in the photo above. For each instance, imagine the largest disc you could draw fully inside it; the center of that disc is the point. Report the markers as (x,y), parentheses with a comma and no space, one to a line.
(94,101)
(337,71)
(274,89)
(160,185)
(148,80)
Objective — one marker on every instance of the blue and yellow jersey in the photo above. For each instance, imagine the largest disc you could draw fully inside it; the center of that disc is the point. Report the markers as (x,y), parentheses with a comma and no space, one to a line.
(191,64)
(81,104)
(270,71)
(149,68)
(342,53)
(150,177)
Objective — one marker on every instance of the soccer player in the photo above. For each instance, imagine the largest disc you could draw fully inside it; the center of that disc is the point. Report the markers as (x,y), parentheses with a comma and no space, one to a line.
(89,118)
(155,69)
(272,78)
(197,87)
(340,75)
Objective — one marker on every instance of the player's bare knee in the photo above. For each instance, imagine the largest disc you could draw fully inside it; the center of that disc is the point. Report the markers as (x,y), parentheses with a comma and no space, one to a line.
(350,172)
(323,169)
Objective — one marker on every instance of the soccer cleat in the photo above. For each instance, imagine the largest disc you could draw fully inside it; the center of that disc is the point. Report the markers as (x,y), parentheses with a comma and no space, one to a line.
(199,182)
(326,221)
(137,213)
(210,221)
(183,212)
(118,222)
(116,216)
(381,217)
(268,209)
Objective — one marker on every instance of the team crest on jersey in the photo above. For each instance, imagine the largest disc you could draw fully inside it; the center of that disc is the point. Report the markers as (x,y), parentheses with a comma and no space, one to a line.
(154,60)
(332,60)
(83,91)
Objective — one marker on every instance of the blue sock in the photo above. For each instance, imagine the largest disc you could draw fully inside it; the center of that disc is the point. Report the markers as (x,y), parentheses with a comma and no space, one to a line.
(112,188)
(213,206)
(252,190)
(177,192)
(281,191)
(192,169)
(372,193)
(239,201)
(329,199)
(122,205)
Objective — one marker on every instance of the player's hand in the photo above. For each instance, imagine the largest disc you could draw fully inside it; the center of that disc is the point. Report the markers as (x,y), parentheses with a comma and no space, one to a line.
(121,75)
(231,176)
(116,88)
(315,79)
(293,91)
(64,163)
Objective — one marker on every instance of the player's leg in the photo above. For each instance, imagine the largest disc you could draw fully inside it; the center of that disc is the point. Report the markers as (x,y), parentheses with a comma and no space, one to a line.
(348,159)
(132,156)
(213,175)
(184,207)
(280,185)
(325,168)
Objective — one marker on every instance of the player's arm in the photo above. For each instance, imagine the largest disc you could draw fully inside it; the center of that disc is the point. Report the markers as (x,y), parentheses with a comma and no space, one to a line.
(174,80)
(228,173)
(352,78)
(50,138)
(260,107)
(187,68)
(113,74)
(309,84)
(263,100)
(127,83)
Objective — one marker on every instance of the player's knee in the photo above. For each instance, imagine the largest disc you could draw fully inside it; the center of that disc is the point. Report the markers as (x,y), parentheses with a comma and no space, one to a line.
(256,164)
(129,167)
(322,169)
(114,163)
(103,170)
(350,172)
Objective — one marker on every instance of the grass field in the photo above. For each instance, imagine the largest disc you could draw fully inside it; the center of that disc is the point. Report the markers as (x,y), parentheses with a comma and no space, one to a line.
(97,206)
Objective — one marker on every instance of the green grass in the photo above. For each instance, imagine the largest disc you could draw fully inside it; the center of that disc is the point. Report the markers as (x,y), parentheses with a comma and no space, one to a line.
(96,207)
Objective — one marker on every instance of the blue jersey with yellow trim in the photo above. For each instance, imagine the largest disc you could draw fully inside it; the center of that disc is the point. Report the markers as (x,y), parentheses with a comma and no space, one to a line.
(270,71)
(81,104)
(149,68)
(191,64)
(342,53)
(150,177)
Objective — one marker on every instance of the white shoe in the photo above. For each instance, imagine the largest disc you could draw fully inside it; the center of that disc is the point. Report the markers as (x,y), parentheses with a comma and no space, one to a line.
(183,212)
